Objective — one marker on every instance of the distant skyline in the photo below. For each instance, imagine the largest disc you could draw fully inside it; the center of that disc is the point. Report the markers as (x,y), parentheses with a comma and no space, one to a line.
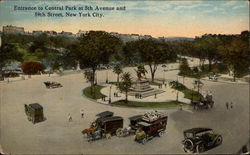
(156,18)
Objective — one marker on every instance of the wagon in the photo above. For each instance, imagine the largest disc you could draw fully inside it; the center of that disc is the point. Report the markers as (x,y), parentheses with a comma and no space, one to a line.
(105,126)
(34,112)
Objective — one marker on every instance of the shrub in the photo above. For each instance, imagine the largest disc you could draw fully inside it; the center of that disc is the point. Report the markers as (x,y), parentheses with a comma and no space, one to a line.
(32,67)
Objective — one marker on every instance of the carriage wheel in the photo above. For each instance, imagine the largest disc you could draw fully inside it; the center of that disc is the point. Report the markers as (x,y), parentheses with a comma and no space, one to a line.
(161,133)
(119,132)
(108,136)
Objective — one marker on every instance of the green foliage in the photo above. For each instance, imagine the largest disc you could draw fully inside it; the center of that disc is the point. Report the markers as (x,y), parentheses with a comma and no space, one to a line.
(32,67)
(96,47)
(89,76)
(126,83)
(184,67)
(170,104)
(153,53)
(236,56)
(188,93)
(117,70)
(93,92)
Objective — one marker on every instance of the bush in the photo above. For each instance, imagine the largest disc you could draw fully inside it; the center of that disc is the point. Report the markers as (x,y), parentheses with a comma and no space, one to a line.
(32,67)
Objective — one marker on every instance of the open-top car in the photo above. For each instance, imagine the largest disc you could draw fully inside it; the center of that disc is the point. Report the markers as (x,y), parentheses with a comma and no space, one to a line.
(200,139)
(50,84)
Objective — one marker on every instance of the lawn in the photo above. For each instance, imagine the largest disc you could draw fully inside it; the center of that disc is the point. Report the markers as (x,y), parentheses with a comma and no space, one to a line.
(188,93)
(148,104)
(93,92)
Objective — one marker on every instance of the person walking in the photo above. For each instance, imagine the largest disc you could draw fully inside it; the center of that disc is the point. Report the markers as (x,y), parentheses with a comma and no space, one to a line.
(70,117)
(227,105)
(82,113)
(231,105)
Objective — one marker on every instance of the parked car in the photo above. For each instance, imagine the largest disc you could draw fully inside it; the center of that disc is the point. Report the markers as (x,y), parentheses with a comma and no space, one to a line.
(50,84)
(34,112)
(200,139)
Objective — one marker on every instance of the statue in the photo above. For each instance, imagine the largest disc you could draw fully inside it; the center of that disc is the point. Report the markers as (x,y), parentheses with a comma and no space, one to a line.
(141,71)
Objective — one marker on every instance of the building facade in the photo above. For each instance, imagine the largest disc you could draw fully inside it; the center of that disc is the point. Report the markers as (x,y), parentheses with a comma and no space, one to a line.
(9,29)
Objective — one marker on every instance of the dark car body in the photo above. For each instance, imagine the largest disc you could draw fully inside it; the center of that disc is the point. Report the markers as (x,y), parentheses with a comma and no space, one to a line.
(200,139)
(34,112)
(50,84)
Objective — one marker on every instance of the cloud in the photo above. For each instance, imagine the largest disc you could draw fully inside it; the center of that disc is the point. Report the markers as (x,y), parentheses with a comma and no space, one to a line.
(239,7)
(231,3)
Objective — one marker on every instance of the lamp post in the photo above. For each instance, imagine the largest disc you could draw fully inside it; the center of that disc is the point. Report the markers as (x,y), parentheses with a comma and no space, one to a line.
(177,92)
(107,74)
(110,94)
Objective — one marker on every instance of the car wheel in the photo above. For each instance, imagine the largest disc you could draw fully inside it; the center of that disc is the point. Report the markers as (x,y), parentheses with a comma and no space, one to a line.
(144,140)
(188,145)
(200,148)
(218,140)
(161,133)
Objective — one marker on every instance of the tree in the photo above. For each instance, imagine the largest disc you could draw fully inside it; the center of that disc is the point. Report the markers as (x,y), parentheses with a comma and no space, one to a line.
(236,56)
(9,53)
(130,53)
(126,84)
(117,70)
(32,67)
(208,44)
(153,53)
(95,48)
(89,76)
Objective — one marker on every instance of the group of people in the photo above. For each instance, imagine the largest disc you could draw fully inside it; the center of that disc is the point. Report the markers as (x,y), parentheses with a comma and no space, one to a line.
(70,117)
(229,105)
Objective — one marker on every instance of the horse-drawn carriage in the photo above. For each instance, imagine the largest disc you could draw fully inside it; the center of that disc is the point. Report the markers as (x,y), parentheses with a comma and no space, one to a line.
(144,127)
(104,126)
(204,103)
(50,84)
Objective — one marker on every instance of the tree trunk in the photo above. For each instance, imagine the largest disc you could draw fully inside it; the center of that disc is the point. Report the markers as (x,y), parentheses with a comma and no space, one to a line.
(126,99)
(94,76)
(209,65)
(152,70)
(117,78)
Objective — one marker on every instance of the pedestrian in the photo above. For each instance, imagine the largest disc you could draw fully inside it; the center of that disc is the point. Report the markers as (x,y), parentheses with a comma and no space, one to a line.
(231,105)
(227,105)
(69,117)
(165,85)
(180,107)
(82,113)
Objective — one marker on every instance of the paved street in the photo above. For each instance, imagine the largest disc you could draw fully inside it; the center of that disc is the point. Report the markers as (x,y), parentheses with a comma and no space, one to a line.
(58,136)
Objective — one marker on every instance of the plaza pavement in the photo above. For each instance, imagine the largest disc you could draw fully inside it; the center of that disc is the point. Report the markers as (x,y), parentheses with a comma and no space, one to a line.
(58,136)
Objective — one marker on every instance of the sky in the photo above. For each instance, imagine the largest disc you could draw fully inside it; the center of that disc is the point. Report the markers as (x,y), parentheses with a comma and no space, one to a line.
(157,18)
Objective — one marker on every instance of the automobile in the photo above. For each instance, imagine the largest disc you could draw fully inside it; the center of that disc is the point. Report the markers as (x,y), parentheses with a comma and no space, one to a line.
(34,112)
(50,84)
(200,139)
(151,125)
